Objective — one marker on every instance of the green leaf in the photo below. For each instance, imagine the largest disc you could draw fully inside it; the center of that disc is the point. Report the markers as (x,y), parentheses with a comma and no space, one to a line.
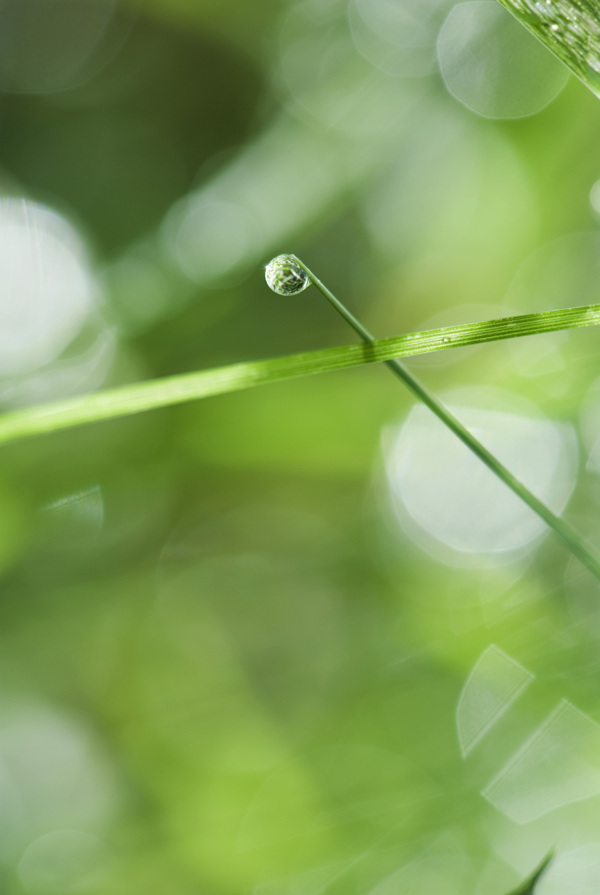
(528,887)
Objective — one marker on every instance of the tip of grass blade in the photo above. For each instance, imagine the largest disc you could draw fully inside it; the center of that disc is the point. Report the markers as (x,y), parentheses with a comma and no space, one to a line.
(528,887)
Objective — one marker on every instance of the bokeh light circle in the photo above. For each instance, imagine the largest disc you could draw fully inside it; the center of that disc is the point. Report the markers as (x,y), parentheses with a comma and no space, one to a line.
(492,65)
(47,288)
(397,36)
(329,80)
(453,506)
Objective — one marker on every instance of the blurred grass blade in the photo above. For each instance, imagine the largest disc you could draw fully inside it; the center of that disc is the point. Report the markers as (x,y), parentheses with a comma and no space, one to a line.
(570,29)
(130,399)
(528,888)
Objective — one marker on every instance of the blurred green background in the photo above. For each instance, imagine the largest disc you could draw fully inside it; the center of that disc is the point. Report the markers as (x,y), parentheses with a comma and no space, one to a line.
(294,640)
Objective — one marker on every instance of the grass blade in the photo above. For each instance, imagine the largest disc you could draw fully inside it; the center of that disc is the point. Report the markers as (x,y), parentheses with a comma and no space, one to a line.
(139,397)
(528,887)
(570,29)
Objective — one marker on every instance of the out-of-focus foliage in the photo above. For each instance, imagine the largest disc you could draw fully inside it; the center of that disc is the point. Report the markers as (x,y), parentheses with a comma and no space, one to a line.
(290,640)
(529,887)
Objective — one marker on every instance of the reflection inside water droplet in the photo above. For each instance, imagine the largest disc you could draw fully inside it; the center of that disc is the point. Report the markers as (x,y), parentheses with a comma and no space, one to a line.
(285,276)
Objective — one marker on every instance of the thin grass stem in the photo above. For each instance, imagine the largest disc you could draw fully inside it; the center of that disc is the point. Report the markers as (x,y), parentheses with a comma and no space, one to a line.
(564,530)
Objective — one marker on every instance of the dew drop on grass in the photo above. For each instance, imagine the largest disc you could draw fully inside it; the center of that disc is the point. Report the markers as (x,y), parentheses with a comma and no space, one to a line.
(285,276)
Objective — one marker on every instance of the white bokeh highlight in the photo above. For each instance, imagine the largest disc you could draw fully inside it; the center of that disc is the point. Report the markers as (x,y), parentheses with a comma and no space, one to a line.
(557,765)
(492,65)
(449,503)
(54,774)
(553,762)
(589,426)
(576,871)
(496,682)
(47,289)
(398,36)
(595,198)
(329,80)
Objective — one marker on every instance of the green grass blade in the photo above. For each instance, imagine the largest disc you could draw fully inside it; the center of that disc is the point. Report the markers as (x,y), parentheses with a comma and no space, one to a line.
(130,399)
(528,887)
(570,29)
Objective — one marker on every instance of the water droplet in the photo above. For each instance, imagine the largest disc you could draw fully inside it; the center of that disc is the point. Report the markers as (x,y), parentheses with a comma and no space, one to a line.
(285,276)
(446,339)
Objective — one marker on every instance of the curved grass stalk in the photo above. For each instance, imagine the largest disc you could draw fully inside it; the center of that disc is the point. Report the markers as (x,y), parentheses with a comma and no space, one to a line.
(156,393)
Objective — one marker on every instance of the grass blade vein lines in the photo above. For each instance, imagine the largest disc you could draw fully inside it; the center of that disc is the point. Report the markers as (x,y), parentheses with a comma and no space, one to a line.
(152,394)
